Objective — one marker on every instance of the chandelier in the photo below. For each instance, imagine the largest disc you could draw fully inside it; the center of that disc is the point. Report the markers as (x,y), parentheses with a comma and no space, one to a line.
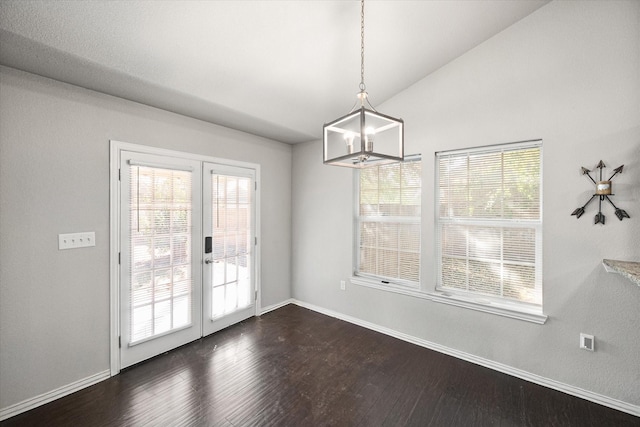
(364,137)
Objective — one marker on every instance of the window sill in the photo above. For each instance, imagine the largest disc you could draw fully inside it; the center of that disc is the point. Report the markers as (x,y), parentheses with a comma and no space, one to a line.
(512,311)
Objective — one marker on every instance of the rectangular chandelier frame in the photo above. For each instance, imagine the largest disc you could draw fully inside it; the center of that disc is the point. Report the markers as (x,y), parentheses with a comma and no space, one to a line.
(363,138)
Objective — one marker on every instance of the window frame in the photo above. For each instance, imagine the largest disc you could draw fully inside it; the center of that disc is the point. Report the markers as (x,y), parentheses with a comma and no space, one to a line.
(477,301)
(377,281)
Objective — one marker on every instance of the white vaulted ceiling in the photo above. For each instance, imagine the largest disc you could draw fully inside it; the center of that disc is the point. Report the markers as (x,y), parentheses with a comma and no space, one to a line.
(279,69)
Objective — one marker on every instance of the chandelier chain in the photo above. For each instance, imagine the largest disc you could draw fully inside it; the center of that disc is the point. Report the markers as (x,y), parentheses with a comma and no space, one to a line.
(362,85)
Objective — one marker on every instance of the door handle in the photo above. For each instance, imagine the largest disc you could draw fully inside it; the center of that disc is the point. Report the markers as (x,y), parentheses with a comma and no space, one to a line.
(208,261)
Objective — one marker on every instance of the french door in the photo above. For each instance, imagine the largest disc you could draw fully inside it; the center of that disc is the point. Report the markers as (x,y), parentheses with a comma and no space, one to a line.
(187,239)
(229,292)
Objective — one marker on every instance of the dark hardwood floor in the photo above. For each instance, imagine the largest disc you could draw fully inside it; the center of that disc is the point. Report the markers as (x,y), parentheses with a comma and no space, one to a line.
(295,367)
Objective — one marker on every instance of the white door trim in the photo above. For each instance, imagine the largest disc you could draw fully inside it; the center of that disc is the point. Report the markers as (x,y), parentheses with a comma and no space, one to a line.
(115,148)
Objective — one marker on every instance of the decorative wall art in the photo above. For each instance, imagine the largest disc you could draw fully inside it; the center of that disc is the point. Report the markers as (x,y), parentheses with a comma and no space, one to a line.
(603,192)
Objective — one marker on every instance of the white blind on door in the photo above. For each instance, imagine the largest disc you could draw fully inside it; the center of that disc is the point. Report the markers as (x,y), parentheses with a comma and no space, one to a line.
(160,218)
(232,243)
(389,221)
(489,222)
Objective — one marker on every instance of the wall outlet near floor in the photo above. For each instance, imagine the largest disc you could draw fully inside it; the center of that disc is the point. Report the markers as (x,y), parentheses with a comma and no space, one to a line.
(343,285)
(587,342)
(76,240)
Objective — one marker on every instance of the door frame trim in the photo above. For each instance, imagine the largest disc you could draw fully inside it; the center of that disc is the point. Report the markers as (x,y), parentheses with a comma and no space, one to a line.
(115,148)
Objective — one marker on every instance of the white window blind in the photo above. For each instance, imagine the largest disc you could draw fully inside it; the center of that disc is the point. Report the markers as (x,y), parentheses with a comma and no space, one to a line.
(489,222)
(160,221)
(232,231)
(388,222)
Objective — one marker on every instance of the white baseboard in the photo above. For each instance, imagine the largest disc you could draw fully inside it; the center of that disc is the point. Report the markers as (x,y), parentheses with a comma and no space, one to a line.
(277,306)
(49,396)
(527,376)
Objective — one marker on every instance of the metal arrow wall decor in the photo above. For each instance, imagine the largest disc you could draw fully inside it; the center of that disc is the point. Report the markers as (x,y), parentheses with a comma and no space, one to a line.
(603,192)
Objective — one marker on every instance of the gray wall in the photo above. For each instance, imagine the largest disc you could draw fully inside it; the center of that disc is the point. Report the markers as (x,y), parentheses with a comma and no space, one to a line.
(569,74)
(54,178)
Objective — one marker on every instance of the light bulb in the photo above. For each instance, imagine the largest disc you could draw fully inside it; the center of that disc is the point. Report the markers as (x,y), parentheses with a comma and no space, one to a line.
(369,135)
(348,139)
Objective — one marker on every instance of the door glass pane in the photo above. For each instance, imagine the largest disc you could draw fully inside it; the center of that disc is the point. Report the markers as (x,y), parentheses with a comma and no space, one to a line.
(231,225)
(160,214)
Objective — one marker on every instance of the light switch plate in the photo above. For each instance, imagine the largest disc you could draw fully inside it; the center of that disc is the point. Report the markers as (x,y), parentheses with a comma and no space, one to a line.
(76,240)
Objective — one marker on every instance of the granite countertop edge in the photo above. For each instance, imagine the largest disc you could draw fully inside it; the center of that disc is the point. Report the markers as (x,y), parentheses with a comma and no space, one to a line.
(628,269)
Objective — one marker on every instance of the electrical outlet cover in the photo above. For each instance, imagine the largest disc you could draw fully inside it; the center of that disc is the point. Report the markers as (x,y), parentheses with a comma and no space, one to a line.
(587,342)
